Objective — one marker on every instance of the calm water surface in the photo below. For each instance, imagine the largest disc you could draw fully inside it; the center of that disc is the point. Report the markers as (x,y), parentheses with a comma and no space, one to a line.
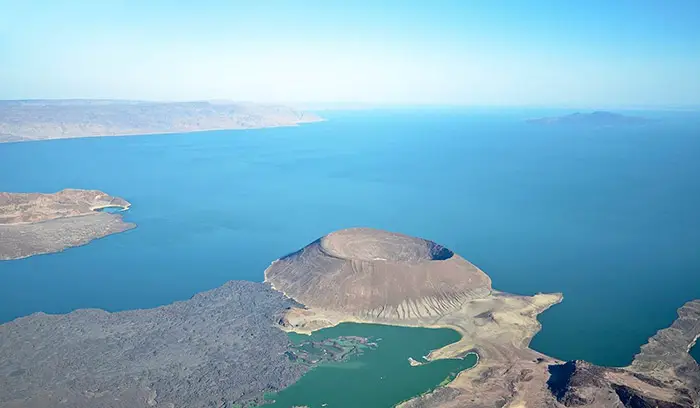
(609,217)
(381,377)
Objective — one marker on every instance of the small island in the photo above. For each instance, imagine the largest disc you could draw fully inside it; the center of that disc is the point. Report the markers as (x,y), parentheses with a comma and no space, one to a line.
(31,120)
(36,223)
(593,119)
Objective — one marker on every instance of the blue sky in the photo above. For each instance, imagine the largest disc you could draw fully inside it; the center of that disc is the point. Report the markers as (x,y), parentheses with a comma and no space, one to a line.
(511,53)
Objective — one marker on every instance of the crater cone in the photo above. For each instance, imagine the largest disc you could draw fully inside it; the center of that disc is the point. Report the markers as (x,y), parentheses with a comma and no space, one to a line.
(378,274)
(364,244)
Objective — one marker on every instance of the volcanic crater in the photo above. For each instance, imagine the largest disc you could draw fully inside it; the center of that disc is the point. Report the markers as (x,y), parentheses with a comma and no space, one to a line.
(373,273)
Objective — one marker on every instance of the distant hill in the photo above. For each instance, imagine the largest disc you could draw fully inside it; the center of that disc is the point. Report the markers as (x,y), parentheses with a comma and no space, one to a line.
(595,119)
(26,120)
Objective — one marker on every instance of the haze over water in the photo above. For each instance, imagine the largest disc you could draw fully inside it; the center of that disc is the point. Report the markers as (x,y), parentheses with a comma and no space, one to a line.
(606,216)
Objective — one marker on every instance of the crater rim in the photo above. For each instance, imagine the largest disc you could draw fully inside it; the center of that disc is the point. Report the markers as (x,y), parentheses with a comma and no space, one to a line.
(374,245)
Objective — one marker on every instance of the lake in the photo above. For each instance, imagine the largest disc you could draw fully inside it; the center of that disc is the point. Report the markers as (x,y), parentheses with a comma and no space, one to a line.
(609,216)
(381,377)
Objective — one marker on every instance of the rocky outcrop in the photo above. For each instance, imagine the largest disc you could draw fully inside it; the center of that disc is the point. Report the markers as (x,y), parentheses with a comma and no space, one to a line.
(36,223)
(21,208)
(60,119)
(666,356)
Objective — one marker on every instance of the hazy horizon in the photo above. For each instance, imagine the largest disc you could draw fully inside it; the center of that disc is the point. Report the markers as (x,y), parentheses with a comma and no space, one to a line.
(590,54)
(360,105)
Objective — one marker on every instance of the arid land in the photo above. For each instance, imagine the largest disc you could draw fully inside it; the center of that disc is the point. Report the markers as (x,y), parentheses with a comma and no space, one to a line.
(388,279)
(33,120)
(36,223)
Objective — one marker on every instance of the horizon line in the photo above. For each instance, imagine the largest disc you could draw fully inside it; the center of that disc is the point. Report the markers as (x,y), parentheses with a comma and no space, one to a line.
(360,105)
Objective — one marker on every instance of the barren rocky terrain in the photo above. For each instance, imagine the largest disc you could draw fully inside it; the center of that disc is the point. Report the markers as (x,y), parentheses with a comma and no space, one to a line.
(497,326)
(663,375)
(59,119)
(219,348)
(225,346)
(36,223)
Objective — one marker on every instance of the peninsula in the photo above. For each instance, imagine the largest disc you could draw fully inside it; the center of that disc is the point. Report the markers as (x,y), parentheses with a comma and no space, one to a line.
(593,119)
(36,223)
(391,278)
(27,120)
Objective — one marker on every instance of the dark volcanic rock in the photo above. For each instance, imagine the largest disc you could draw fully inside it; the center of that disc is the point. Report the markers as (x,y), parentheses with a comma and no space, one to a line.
(219,348)
(582,384)
(633,399)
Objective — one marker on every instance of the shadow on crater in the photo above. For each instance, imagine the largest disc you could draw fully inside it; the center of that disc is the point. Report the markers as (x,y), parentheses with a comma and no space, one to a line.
(439,252)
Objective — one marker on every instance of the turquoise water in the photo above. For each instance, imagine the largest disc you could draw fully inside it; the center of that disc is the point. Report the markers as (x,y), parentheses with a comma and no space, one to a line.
(111,210)
(609,217)
(381,377)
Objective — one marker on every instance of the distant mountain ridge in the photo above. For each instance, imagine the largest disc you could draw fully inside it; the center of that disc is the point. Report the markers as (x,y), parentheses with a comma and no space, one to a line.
(597,118)
(27,120)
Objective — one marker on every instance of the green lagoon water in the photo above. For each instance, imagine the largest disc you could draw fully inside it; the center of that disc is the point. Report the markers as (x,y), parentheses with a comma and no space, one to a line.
(380,377)
(607,216)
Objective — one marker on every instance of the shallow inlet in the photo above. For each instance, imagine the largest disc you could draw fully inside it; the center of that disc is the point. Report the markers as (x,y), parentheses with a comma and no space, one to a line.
(379,377)
(112,209)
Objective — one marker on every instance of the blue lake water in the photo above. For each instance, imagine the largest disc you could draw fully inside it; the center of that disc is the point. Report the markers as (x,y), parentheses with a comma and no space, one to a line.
(609,217)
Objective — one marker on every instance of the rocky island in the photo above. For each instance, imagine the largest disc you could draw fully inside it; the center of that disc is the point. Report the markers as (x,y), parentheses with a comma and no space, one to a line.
(35,223)
(593,119)
(225,346)
(29,120)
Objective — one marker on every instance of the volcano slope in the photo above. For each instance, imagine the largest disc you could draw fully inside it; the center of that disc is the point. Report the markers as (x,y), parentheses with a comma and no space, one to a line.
(36,223)
(371,276)
(378,275)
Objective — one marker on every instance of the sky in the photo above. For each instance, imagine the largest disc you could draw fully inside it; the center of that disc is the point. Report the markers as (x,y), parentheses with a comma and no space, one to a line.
(505,53)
